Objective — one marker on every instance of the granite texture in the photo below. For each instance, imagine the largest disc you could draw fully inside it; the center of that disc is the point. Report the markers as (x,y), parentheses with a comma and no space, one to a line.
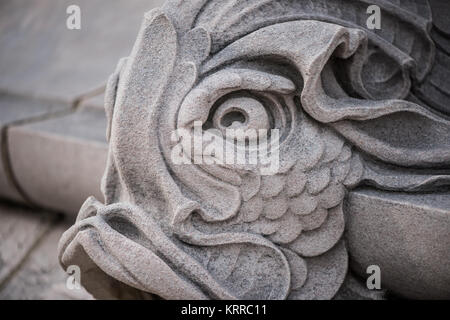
(352,109)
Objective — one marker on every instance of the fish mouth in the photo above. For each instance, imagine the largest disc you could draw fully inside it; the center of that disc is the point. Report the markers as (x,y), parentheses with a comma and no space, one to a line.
(113,242)
(121,243)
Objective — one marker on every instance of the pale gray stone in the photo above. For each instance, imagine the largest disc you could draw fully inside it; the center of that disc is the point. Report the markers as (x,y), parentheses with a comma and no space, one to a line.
(344,100)
(16,109)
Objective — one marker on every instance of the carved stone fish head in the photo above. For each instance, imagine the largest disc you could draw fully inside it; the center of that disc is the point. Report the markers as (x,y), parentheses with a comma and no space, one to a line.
(341,99)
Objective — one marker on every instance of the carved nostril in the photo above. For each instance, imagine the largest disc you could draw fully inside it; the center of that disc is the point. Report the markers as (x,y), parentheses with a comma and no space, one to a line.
(125,227)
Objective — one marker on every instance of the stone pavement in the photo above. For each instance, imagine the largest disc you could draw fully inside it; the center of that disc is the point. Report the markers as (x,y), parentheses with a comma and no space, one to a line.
(52,124)
(29,268)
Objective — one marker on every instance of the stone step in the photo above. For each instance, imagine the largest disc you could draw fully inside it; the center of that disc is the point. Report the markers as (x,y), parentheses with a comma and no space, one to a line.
(16,110)
(59,162)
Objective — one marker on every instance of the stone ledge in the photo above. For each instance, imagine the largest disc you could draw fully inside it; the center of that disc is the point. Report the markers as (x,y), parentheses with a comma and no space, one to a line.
(59,162)
(16,110)
(406,235)
(55,70)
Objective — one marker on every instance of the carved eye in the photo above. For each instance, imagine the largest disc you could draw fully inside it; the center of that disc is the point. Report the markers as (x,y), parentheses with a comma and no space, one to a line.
(241,113)
(240,99)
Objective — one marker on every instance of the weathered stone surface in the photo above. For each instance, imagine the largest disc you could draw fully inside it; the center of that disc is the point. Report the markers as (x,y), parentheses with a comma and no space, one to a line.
(407,236)
(39,276)
(60,161)
(342,100)
(20,229)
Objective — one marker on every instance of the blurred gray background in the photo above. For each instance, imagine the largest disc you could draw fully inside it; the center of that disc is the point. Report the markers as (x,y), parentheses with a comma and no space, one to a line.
(53,147)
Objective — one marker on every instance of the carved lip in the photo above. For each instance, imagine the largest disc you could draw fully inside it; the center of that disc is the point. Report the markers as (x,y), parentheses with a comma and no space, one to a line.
(94,241)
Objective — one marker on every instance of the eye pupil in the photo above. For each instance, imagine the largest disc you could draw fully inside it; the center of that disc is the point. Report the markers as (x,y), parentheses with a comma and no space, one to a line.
(232,117)
(241,113)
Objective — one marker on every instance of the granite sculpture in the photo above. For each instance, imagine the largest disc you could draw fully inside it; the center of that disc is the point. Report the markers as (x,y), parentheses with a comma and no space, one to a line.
(357,114)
